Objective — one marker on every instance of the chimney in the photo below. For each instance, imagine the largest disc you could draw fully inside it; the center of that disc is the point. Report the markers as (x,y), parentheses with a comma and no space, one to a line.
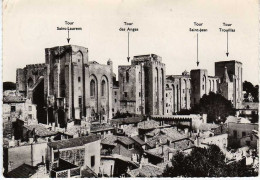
(145,138)
(186,130)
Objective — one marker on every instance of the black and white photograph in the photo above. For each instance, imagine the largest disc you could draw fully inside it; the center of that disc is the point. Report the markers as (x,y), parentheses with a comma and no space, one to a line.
(130,89)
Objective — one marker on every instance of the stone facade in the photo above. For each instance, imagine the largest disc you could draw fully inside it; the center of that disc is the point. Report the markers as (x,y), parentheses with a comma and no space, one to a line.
(27,77)
(202,84)
(115,101)
(68,86)
(14,109)
(179,85)
(235,73)
(142,85)
(131,89)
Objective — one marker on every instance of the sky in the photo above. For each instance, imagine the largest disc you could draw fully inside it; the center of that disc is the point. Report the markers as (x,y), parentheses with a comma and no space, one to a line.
(30,26)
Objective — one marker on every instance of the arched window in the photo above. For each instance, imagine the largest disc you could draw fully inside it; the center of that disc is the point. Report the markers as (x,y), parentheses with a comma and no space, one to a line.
(30,82)
(92,88)
(103,88)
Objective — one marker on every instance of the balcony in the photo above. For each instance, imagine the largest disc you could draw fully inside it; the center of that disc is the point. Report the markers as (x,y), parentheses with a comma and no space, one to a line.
(65,169)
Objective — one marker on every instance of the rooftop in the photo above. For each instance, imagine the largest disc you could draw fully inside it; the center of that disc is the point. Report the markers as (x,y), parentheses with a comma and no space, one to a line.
(109,140)
(125,140)
(150,124)
(13,99)
(164,136)
(40,130)
(100,127)
(230,61)
(23,171)
(74,142)
(138,140)
(146,170)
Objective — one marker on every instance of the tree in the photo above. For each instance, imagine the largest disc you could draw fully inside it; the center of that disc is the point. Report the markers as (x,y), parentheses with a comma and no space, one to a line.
(215,106)
(202,162)
(253,90)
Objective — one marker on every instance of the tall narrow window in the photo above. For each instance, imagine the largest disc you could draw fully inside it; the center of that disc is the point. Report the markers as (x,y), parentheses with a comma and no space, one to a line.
(127,76)
(103,88)
(79,79)
(92,161)
(80,101)
(12,108)
(92,88)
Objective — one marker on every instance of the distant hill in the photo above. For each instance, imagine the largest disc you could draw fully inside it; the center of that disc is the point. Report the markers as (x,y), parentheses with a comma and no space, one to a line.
(9,86)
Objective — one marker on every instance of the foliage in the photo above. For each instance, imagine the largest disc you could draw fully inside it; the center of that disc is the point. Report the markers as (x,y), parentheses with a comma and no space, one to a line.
(215,106)
(202,162)
(122,115)
(9,86)
(253,90)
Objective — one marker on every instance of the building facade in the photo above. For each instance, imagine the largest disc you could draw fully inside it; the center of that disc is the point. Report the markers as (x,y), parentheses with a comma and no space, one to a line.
(142,85)
(68,86)
(235,73)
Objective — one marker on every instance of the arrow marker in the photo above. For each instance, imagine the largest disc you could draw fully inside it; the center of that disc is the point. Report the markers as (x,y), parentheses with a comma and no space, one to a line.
(198,49)
(68,39)
(227,45)
(128,58)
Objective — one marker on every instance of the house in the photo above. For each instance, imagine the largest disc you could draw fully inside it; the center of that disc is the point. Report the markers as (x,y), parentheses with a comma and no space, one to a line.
(118,154)
(241,134)
(123,146)
(17,107)
(102,129)
(16,153)
(82,151)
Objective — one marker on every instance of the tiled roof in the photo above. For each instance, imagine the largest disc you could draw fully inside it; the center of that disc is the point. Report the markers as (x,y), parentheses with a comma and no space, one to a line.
(138,140)
(161,151)
(13,99)
(74,142)
(112,140)
(151,124)
(23,171)
(121,150)
(100,127)
(125,140)
(153,132)
(130,129)
(165,135)
(40,130)
(182,144)
(146,170)
(158,139)
(109,140)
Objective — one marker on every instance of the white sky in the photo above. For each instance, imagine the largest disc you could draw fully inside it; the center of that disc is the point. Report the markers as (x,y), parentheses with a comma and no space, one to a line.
(29,26)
